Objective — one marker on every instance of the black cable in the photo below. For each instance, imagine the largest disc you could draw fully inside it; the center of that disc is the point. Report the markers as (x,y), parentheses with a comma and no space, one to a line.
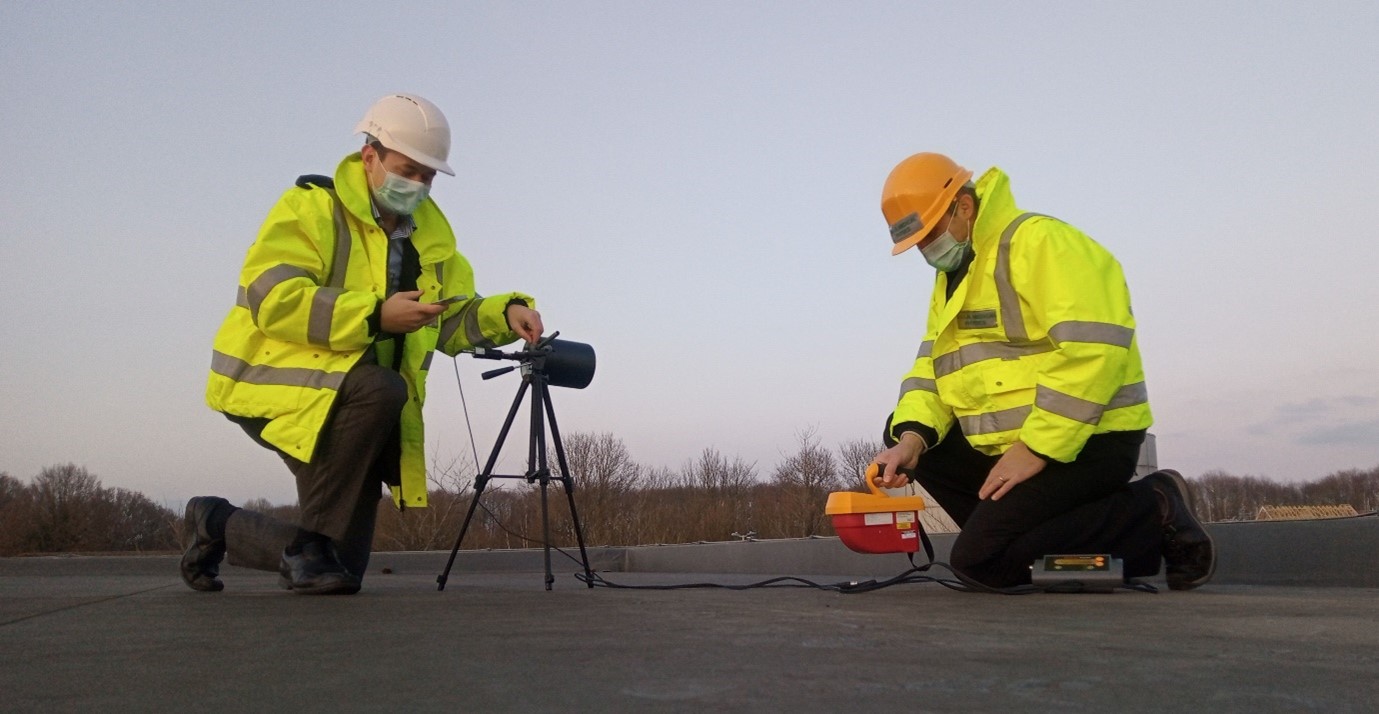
(467,423)
(958,582)
(784,581)
(961,583)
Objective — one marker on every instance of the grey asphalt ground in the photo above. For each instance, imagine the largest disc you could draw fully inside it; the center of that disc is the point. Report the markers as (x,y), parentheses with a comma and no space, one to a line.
(1291,624)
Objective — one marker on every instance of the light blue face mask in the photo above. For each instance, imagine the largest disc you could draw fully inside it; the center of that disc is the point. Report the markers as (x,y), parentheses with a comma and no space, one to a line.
(946,252)
(399,195)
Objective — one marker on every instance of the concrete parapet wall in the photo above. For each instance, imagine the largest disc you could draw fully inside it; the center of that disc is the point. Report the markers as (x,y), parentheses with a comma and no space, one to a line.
(1336,552)
(1329,553)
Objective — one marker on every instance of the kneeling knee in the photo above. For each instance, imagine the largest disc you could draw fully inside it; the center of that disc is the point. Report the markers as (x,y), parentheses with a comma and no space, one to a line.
(380,385)
(983,566)
(394,390)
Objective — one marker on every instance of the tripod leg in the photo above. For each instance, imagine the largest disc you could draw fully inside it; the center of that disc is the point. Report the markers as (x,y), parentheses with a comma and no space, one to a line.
(539,468)
(546,531)
(569,484)
(480,482)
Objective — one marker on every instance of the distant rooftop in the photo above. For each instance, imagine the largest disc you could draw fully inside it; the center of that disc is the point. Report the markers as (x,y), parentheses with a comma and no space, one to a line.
(1296,513)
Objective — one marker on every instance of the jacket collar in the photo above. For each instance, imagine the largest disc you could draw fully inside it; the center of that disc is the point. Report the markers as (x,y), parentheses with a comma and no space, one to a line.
(432,238)
(997,210)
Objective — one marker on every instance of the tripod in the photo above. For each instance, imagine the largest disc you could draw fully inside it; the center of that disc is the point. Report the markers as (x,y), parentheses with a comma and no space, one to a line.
(541,366)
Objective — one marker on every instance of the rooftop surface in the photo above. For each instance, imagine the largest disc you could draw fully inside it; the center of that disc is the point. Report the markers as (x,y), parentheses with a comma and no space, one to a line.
(1291,623)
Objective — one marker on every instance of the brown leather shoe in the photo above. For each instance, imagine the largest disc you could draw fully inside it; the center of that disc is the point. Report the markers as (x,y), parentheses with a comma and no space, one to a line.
(1189,553)
(201,563)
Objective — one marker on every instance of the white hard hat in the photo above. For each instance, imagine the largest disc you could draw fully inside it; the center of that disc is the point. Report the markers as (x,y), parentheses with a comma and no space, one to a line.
(412,126)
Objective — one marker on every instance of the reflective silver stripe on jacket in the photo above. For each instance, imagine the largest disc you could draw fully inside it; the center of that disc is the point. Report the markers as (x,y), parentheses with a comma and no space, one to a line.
(915,384)
(1005,288)
(926,348)
(340,261)
(468,317)
(1129,396)
(471,327)
(322,318)
(318,325)
(1085,411)
(258,290)
(995,422)
(980,351)
(426,361)
(1067,406)
(322,312)
(449,326)
(241,371)
(1057,403)
(1083,331)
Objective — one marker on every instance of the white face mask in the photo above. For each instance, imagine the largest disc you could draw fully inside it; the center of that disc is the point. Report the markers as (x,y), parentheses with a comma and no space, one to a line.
(399,195)
(946,252)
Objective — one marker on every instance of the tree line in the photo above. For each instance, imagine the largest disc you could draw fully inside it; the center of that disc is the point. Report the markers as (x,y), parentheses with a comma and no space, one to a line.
(1223,497)
(65,509)
(712,497)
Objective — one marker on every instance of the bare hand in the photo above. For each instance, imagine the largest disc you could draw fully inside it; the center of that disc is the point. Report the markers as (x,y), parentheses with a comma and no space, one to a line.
(402,313)
(1017,464)
(525,321)
(903,455)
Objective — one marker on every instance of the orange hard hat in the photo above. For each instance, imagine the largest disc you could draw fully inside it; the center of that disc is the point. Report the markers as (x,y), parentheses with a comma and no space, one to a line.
(917,194)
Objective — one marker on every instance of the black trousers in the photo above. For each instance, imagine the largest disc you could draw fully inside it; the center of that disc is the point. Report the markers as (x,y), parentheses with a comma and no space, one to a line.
(1088,505)
(339,490)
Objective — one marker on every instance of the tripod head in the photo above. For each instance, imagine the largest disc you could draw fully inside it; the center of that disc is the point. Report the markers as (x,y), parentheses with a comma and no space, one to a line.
(563,363)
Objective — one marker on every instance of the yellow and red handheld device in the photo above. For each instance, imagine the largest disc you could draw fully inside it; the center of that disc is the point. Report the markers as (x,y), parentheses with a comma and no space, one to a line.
(875,522)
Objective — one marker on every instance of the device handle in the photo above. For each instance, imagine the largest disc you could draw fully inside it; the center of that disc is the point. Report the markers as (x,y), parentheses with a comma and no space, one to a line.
(874,473)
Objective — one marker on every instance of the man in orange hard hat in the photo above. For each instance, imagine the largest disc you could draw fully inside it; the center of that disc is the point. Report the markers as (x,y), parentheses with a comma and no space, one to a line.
(1025,409)
(352,286)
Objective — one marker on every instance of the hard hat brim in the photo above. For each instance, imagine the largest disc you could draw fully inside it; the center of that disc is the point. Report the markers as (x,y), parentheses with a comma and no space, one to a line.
(934,212)
(391,143)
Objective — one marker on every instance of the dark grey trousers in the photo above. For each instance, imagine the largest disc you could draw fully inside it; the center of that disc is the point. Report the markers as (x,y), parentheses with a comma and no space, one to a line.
(1087,505)
(339,490)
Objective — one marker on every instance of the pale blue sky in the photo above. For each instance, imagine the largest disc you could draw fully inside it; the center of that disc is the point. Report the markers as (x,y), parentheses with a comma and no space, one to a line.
(694,189)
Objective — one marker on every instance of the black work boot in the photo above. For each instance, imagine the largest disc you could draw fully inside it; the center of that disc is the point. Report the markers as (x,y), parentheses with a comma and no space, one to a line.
(1189,554)
(201,562)
(315,570)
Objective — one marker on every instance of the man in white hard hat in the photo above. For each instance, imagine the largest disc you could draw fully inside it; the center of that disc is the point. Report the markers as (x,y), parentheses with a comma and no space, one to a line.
(352,285)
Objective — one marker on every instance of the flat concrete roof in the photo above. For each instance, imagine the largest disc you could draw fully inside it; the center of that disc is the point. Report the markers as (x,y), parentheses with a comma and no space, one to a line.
(124,633)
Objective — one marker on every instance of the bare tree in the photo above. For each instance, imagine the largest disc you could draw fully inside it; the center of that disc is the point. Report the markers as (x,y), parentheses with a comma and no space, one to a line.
(1358,488)
(853,458)
(66,509)
(1223,497)
(604,475)
(65,500)
(133,522)
(712,499)
(804,480)
(16,516)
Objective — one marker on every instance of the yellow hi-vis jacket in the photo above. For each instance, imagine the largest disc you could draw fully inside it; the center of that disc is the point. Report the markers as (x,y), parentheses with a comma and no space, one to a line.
(1037,343)
(308,286)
